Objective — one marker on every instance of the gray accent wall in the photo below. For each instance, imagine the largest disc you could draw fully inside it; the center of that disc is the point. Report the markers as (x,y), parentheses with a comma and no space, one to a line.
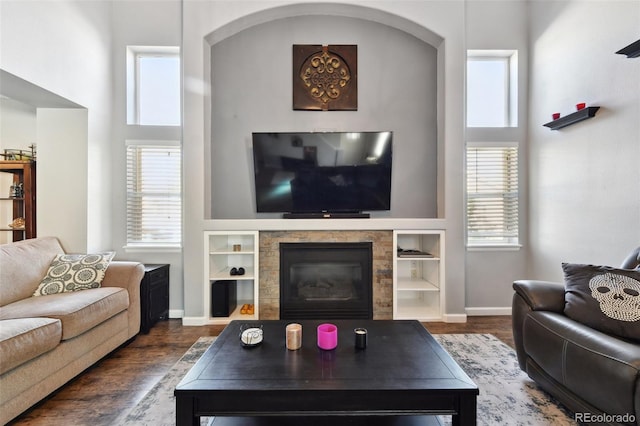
(251,91)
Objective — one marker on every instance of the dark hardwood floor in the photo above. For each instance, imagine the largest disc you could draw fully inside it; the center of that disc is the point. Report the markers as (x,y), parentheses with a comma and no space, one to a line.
(120,380)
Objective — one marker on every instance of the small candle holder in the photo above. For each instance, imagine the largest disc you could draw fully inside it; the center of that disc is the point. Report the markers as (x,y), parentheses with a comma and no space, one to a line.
(327,336)
(251,335)
(294,336)
(361,338)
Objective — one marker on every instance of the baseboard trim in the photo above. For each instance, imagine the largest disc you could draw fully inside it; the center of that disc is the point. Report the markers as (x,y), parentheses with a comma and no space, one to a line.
(195,321)
(176,313)
(454,318)
(481,312)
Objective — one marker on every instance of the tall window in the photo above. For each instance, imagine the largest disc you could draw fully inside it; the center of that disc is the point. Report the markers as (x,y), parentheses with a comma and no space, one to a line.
(492,194)
(153,85)
(154,195)
(491,88)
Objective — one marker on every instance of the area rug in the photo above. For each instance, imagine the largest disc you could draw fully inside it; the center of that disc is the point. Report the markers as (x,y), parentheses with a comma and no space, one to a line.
(507,395)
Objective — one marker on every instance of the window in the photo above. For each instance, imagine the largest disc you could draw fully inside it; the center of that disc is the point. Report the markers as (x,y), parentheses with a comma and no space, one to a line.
(153,86)
(491,88)
(154,195)
(492,194)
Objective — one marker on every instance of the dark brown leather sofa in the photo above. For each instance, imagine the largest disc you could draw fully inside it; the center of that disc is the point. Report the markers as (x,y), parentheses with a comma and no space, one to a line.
(595,375)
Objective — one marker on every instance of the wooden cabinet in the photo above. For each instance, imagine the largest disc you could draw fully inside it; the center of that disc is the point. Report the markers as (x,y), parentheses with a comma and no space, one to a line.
(226,252)
(418,275)
(154,296)
(23,204)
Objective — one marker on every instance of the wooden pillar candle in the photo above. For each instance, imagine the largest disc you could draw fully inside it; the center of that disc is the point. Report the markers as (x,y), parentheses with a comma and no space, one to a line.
(294,336)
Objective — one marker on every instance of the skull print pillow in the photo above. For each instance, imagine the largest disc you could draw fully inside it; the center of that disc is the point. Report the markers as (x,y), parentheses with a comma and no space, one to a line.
(604,298)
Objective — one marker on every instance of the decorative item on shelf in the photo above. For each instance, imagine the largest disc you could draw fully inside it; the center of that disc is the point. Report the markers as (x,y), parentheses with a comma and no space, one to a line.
(17,190)
(20,154)
(247,309)
(413,253)
(237,247)
(18,223)
(575,117)
(580,106)
(632,50)
(555,115)
(237,271)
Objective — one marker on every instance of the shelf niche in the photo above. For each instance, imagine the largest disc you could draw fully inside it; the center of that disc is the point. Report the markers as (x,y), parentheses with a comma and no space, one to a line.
(576,117)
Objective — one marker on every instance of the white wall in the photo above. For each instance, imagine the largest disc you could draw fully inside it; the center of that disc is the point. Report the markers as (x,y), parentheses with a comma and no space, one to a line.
(585,179)
(489,274)
(64,47)
(62,169)
(132,26)
(77,50)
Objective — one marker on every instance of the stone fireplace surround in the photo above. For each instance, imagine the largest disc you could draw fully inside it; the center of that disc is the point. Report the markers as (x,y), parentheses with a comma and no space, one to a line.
(269,259)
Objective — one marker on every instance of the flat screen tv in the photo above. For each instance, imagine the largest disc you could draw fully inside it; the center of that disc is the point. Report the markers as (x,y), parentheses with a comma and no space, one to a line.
(336,172)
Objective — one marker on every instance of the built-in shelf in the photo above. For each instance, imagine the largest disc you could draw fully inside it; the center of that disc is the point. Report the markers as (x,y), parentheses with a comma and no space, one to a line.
(24,172)
(567,120)
(225,250)
(632,50)
(418,279)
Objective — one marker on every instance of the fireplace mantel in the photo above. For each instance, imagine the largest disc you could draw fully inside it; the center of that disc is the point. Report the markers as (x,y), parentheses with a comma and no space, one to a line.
(278,224)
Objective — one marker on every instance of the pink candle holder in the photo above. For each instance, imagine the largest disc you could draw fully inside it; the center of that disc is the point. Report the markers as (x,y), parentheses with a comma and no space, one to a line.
(327,336)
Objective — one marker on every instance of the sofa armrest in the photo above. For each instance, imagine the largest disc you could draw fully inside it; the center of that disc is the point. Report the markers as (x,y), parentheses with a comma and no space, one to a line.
(632,261)
(532,295)
(541,295)
(127,275)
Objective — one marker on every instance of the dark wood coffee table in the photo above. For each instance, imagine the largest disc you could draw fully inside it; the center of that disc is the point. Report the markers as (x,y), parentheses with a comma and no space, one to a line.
(403,377)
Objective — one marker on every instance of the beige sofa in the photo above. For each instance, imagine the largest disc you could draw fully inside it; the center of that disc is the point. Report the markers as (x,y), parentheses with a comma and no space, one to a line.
(45,341)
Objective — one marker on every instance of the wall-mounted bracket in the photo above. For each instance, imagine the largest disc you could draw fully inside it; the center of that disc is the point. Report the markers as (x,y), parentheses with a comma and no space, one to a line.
(567,120)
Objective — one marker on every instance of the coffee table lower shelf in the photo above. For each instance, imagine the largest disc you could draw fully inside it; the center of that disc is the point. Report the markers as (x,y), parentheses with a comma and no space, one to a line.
(324,420)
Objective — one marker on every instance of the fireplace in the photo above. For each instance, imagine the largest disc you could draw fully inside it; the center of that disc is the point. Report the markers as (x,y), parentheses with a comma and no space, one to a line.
(326,280)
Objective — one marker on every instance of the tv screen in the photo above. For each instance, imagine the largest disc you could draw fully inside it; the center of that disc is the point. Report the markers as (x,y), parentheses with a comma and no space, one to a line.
(322,172)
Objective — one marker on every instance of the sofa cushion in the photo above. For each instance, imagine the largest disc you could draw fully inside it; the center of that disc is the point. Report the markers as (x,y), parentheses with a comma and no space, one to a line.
(79,311)
(604,298)
(22,266)
(74,272)
(23,339)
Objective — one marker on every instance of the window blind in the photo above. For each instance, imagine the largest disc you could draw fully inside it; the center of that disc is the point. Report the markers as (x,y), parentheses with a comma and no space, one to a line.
(492,195)
(154,195)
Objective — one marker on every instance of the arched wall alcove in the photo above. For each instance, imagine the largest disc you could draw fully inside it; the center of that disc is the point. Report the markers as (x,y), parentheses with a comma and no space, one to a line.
(249,66)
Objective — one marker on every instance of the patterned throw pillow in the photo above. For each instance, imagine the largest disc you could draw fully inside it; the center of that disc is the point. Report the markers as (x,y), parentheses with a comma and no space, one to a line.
(73,272)
(604,298)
